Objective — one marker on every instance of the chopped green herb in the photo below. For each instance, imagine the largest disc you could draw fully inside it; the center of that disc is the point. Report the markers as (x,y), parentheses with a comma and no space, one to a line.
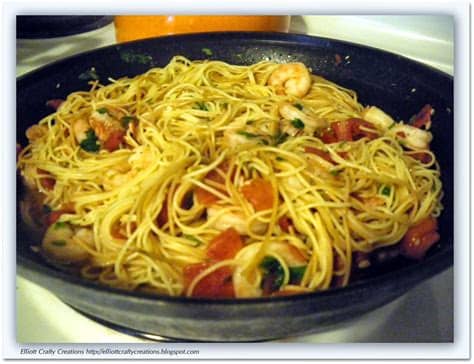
(103,110)
(249,122)
(58,242)
(385,191)
(207,51)
(247,134)
(392,125)
(91,143)
(298,106)
(280,137)
(279,159)
(201,106)
(273,273)
(297,123)
(335,172)
(89,75)
(194,239)
(297,273)
(127,120)
(60,225)
(130,57)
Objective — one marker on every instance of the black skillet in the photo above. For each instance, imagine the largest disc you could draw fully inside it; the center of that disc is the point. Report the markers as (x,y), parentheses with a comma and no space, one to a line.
(395,84)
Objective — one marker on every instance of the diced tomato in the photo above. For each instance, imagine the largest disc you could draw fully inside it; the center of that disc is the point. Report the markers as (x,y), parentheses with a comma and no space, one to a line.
(215,176)
(114,140)
(268,284)
(54,216)
(362,128)
(162,218)
(343,155)
(47,183)
(285,222)
(217,284)
(225,245)
(420,238)
(423,118)
(325,155)
(259,193)
(205,197)
(342,130)
(328,136)
(421,156)
(54,103)
(115,232)
(349,130)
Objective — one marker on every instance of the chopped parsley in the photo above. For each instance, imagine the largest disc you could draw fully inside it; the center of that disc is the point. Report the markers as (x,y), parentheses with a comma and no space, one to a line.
(91,143)
(392,125)
(335,172)
(385,191)
(297,123)
(297,274)
(196,241)
(130,57)
(280,137)
(201,106)
(58,242)
(247,134)
(89,75)
(207,51)
(298,106)
(60,225)
(273,273)
(103,110)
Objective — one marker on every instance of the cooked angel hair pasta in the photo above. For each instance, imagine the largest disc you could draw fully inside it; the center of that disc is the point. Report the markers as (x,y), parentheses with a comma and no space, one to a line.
(214,180)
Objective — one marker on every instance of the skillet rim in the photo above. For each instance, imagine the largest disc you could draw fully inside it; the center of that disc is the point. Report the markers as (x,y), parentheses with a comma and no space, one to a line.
(413,273)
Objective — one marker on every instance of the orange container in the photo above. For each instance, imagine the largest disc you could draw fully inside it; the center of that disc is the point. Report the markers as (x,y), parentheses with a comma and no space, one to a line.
(131,27)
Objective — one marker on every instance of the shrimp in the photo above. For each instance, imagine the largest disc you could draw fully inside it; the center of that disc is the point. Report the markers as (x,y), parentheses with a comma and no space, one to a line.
(411,136)
(291,78)
(105,123)
(36,132)
(80,128)
(291,114)
(377,117)
(231,218)
(232,138)
(106,126)
(243,286)
(60,243)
